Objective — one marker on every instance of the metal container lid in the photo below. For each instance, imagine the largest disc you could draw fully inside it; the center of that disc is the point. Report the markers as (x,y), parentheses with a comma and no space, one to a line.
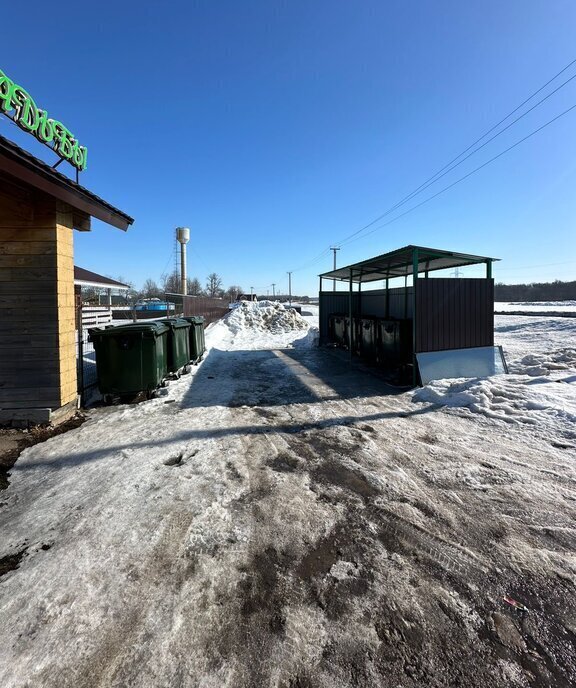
(149,329)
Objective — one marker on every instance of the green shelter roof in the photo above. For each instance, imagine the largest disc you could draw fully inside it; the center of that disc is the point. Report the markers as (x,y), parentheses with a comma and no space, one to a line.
(401,262)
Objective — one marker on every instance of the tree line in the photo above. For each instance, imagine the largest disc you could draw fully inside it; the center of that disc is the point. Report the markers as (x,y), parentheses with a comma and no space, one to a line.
(543,291)
(172,284)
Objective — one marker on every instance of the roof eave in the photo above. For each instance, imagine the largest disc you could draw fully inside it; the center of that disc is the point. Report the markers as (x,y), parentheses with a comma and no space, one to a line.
(26,168)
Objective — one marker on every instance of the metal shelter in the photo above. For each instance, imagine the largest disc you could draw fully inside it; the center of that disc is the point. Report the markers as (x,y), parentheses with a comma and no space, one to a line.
(445,313)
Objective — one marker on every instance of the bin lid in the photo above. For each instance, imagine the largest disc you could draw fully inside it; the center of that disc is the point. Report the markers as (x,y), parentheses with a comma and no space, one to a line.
(148,329)
(196,319)
(175,323)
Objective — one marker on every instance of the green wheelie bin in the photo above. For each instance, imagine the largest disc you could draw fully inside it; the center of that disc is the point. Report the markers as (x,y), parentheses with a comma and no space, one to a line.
(178,344)
(197,343)
(130,358)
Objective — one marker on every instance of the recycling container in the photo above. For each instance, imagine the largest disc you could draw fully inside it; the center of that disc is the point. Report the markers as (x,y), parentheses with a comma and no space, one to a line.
(130,358)
(178,343)
(196,337)
(368,339)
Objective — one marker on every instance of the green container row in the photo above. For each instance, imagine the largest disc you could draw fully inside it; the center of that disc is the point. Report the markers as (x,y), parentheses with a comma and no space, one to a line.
(137,357)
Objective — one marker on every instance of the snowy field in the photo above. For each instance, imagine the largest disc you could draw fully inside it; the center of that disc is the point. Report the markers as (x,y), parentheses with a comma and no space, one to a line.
(558,307)
(278,518)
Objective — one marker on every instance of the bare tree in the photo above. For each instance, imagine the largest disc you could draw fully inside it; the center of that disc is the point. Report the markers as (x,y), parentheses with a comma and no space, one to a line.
(150,289)
(214,285)
(233,292)
(194,286)
(171,283)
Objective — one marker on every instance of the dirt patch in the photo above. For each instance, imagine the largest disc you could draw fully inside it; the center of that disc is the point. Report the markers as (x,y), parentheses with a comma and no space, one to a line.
(13,442)
(11,562)
(332,473)
(284,463)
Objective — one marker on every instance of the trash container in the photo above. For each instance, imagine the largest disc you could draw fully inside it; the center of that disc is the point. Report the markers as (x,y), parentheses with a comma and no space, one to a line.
(178,344)
(356,334)
(394,342)
(196,337)
(130,358)
(368,340)
(338,329)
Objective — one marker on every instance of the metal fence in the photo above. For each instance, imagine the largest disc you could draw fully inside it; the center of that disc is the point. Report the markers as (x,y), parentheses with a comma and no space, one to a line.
(211,309)
(85,364)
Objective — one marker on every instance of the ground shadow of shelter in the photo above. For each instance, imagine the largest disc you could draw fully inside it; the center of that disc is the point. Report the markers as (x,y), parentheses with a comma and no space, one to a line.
(70,459)
(279,377)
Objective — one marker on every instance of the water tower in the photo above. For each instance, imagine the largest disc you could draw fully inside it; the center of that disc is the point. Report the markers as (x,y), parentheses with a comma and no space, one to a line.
(183,237)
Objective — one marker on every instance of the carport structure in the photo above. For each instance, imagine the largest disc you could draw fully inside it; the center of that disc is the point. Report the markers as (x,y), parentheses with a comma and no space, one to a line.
(444,313)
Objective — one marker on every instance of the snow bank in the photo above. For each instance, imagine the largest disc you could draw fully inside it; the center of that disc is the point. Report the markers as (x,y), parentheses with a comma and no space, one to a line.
(270,316)
(545,363)
(540,391)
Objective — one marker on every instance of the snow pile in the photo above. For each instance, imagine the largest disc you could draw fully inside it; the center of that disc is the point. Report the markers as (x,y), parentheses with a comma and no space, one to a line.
(545,363)
(265,316)
(548,404)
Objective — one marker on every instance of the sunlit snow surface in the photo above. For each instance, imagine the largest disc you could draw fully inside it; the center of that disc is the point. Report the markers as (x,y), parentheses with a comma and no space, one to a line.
(541,387)
(263,523)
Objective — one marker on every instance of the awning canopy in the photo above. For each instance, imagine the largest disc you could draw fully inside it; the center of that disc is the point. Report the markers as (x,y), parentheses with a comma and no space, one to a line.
(19,164)
(86,278)
(401,262)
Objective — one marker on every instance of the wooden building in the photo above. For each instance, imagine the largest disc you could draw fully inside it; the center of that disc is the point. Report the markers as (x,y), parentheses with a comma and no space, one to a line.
(39,210)
(442,313)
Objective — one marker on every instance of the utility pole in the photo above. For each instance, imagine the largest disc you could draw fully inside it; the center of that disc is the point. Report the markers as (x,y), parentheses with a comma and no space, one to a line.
(334,249)
(290,288)
(273,290)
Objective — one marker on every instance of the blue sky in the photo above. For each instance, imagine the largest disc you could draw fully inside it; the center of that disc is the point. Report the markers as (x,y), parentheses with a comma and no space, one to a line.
(274,129)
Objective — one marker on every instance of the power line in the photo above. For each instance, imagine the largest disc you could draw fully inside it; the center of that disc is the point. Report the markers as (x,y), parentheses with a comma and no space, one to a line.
(433,180)
(444,170)
(312,261)
(477,169)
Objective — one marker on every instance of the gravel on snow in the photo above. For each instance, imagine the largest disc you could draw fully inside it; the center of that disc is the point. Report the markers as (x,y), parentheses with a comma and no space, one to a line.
(278,519)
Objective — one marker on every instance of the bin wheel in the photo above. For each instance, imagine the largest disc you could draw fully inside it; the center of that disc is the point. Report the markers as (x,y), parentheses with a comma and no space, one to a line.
(108,399)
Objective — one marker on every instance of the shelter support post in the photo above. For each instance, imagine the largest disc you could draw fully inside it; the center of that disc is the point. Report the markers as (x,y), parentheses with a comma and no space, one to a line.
(405,296)
(387,298)
(414,314)
(323,331)
(488,269)
(350,321)
(360,296)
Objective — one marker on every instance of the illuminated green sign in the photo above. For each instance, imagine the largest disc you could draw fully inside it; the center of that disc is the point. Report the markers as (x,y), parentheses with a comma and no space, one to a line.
(17,104)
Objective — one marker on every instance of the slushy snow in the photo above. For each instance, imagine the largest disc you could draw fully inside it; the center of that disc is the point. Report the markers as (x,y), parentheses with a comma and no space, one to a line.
(280,518)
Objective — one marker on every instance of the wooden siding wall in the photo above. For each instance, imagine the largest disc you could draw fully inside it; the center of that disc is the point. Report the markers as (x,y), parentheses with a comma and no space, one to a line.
(454,313)
(37,345)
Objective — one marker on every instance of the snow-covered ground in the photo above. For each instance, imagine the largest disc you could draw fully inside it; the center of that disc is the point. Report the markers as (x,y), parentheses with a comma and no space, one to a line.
(563,307)
(278,518)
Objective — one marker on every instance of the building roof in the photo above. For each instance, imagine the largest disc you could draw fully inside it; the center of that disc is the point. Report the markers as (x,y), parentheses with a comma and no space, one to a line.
(22,165)
(400,263)
(85,278)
